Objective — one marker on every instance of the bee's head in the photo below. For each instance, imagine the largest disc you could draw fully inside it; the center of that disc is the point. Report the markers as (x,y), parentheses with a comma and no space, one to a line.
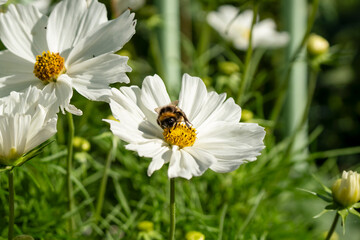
(168,122)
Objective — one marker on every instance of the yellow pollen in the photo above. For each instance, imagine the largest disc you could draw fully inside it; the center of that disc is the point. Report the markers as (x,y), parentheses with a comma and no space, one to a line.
(180,135)
(49,66)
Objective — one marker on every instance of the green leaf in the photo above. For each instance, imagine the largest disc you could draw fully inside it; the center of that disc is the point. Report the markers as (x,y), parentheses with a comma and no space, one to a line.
(33,153)
(327,190)
(4,168)
(356,205)
(320,214)
(343,213)
(332,206)
(326,197)
(353,211)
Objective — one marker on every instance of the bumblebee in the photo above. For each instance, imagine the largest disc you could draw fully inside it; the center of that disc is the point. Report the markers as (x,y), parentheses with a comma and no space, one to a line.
(170,115)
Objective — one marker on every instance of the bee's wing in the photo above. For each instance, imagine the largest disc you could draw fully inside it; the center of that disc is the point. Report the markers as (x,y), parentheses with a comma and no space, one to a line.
(157,110)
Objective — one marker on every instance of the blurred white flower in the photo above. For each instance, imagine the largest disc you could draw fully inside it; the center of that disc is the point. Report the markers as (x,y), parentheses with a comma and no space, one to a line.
(2,2)
(236,27)
(26,120)
(72,48)
(215,139)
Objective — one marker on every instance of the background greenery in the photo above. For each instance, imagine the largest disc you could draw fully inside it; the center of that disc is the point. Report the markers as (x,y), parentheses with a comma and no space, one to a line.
(260,200)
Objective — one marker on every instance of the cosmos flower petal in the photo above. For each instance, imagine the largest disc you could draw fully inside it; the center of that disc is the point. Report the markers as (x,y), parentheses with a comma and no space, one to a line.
(63,25)
(106,38)
(192,96)
(203,159)
(63,92)
(265,35)
(22,30)
(217,109)
(159,160)
(185,165)
(148,148)
(126,133)
(14,73)
(153,93)
(133,128)
(179,164)
(235,27)
(24,123)
(94,16)
(92,77)
(221,19)
(232,144)
(126,98)
(38,133)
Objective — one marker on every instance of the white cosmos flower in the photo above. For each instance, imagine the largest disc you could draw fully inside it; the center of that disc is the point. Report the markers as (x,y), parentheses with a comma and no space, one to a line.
(26,120)
(215,140)
(72,48)
(235,27)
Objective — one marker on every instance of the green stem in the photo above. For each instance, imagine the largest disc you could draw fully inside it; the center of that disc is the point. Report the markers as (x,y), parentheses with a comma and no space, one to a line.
(172,209)
(102,190)
(302,122)
(170,42)
(11,205)
(71,222)
(245,79)
(284,84)
(332,228)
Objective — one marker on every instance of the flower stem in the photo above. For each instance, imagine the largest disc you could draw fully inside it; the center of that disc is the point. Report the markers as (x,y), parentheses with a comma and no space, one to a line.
(170,42)
(11,205)
(100,200)
(172,209)
(332,228)
(303,119)
(71,223)
(282,90)
(244,83)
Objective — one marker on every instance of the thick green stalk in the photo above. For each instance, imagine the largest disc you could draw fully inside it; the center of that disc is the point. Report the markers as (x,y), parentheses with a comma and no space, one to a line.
(332,228)
(282,90)
(245,78)
(172,209)
(303,118)
(101,196)
(11,205)
(170,42)
(71,223)
(297,89)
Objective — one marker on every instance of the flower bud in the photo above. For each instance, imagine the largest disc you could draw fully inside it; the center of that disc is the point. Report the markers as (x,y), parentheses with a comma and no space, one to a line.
(228,67)
(334,236)
(194,235)
(317,45)
(246,115)
(346,191)
(146,226)
(23,237)
(81,143)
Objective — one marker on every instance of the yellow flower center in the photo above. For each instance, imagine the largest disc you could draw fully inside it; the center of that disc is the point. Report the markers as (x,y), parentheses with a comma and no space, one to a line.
(180,135)
(49,66)
(245,34)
